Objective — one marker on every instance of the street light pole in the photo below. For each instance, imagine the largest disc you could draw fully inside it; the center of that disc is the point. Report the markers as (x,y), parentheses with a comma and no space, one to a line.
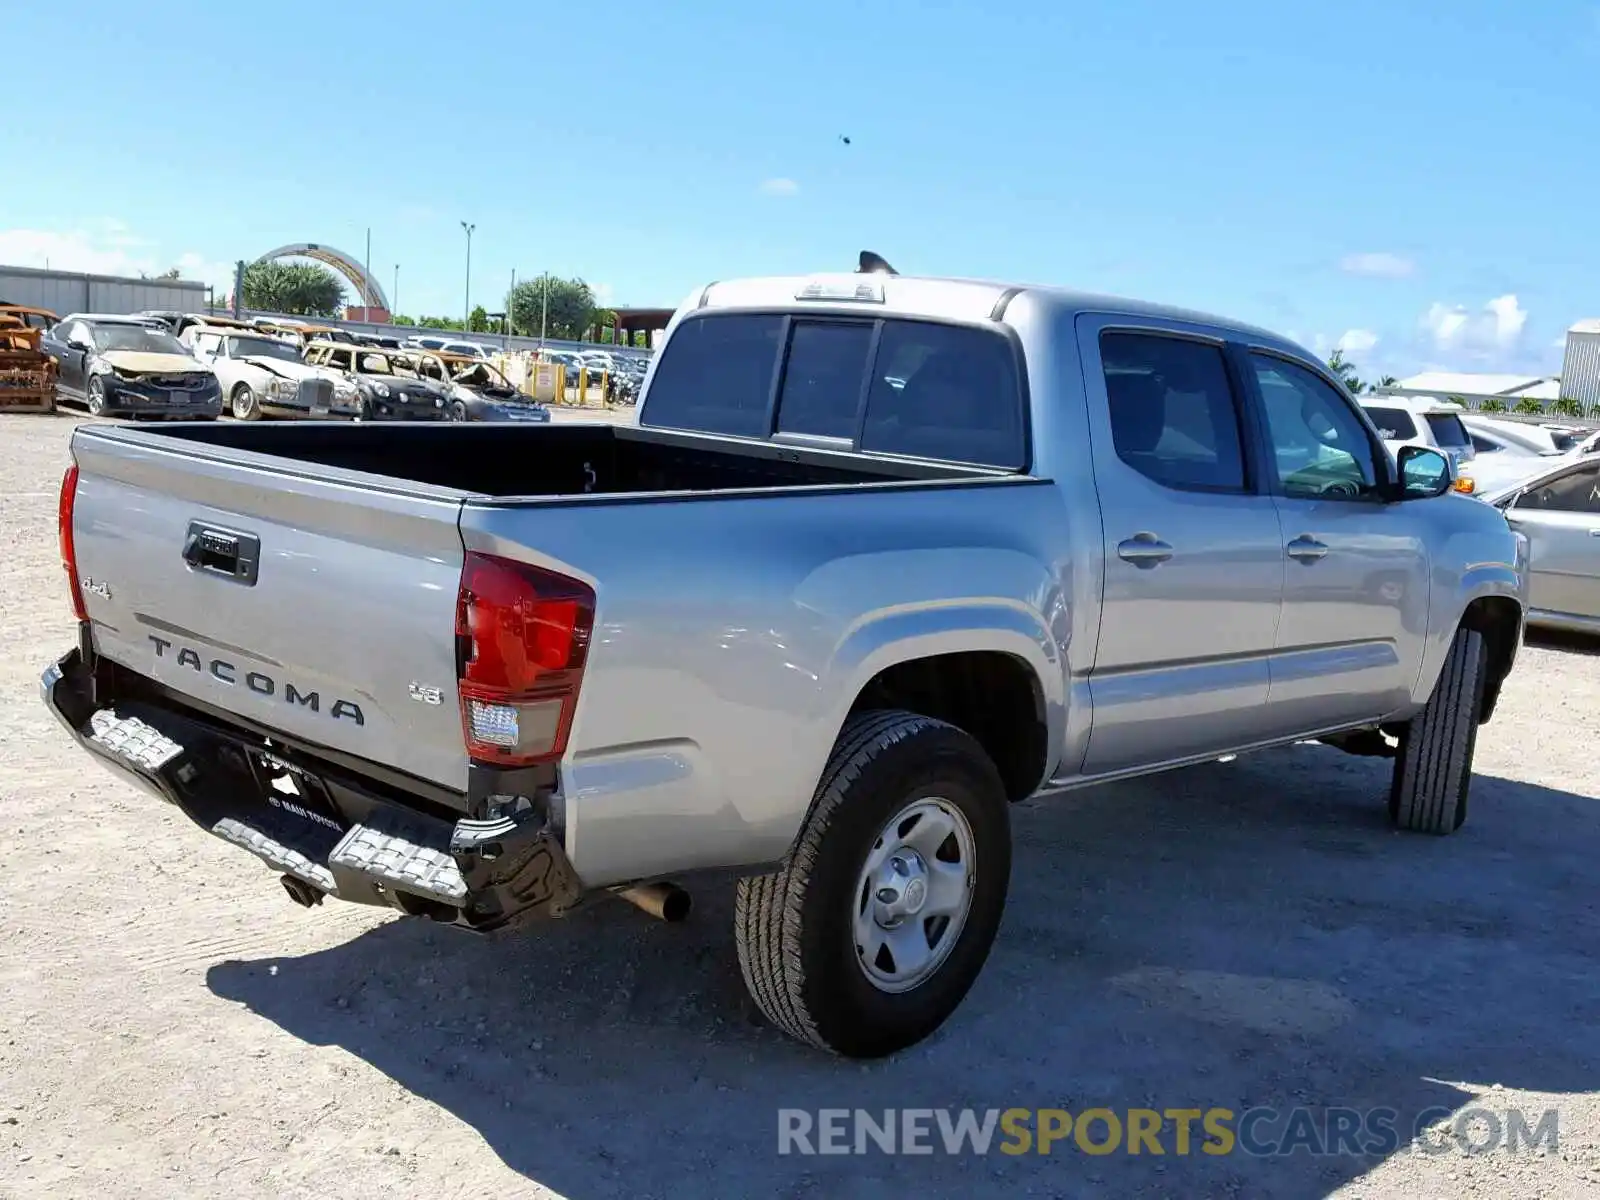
(544,310)
(466,303)
(394,296)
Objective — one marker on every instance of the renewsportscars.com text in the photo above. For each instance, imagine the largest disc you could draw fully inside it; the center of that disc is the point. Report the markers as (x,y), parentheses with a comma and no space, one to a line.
(1259,1132)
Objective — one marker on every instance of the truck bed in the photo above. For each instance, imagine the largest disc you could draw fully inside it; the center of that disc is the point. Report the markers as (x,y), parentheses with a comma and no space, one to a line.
(557,460)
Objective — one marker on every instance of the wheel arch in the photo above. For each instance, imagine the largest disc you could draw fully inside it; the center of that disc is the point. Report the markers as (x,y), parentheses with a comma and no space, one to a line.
(992,671)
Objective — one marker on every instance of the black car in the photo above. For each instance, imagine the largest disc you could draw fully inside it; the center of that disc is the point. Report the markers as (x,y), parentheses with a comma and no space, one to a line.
(130,366)
(387,390)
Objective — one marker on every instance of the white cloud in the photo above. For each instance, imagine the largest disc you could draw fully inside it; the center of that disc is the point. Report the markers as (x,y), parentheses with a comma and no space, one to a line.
(1357,341)
(779,187)
(106,248)
(1495,329)
(1378,264)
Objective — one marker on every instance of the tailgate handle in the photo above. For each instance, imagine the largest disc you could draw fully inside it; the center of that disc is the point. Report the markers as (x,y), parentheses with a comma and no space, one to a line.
(224,552)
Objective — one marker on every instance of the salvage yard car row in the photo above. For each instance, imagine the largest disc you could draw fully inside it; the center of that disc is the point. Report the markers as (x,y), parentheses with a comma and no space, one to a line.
(198,369)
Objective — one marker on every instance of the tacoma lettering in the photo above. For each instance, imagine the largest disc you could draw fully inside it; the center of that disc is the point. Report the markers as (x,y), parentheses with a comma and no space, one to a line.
(261,684)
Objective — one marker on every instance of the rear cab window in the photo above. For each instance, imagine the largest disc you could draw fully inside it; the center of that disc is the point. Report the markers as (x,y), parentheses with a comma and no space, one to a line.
(889,385)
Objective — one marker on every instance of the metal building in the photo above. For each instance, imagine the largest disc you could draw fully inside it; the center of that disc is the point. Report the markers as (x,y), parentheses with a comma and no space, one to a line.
(70,291)
(1580,368)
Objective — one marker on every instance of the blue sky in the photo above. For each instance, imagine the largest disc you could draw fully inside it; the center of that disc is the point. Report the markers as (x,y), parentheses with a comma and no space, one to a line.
(1416,180)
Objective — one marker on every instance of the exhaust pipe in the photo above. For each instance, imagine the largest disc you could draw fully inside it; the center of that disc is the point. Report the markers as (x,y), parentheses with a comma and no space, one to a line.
(665,901)
(301,892)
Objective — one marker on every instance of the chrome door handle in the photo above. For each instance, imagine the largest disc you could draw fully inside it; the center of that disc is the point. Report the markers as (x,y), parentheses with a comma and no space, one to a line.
(1144,550)
(1594,533)
(1306,549)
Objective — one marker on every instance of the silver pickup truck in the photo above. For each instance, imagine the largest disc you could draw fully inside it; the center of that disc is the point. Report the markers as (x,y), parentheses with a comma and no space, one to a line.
(881,556)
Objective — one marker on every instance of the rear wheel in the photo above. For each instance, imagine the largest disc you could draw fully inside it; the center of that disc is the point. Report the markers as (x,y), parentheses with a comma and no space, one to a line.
(246,407)
(1433,765)
(876,927)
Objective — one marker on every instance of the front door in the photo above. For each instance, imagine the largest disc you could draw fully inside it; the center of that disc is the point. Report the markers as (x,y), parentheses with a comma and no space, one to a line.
(1561,518)
(1193,556)
(1355,596)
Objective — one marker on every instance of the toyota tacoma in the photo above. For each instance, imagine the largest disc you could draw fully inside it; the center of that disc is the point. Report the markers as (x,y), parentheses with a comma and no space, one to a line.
(880,556)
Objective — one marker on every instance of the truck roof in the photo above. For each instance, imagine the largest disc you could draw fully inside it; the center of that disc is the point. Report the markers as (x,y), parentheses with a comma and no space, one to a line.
(947,297)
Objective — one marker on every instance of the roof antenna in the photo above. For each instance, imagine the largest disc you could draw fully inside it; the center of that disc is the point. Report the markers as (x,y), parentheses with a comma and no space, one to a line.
(874,264)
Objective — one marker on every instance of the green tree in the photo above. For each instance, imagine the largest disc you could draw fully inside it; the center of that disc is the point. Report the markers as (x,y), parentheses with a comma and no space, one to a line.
(302,289)
(571,311)
(453,324)
(1567,407)
(401,319)
(1345,372)
(478,321)
(1388,381)
(1529,405)
(1492,406)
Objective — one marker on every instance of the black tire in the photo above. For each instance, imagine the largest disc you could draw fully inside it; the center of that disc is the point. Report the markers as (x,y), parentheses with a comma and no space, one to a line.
(94,396)
(455,411)
(794,927)
(1433,766)
(244,404)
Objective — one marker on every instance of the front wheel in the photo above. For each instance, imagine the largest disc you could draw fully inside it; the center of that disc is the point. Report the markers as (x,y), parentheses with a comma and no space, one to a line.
(456,411)
(246,407)
(1433,764)
(95,396)
(872,933)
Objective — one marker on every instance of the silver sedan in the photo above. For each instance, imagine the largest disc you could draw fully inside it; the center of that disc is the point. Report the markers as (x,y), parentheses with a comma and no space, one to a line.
(1559,511)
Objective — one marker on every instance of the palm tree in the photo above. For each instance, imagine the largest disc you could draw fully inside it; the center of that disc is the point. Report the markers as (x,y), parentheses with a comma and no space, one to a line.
(1345,372)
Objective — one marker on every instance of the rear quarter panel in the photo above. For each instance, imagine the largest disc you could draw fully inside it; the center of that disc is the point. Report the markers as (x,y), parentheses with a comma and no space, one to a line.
(733,634)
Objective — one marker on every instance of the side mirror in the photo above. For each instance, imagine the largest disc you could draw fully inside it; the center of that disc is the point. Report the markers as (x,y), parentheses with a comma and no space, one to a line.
(79,343)
(1424,473)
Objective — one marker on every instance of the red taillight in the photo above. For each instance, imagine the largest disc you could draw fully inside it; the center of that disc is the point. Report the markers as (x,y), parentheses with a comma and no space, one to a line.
(69,552)
(522,638)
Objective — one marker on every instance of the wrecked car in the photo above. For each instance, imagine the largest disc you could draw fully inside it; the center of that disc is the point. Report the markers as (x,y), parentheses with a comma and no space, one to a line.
(261,375)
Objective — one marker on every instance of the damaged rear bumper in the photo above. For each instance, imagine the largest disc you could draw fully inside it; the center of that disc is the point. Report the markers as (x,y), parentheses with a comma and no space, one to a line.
(331,835)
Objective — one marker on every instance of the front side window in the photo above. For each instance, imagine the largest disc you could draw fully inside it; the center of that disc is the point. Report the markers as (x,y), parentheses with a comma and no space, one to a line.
(1320,447)
(1173,414)
(1578,491)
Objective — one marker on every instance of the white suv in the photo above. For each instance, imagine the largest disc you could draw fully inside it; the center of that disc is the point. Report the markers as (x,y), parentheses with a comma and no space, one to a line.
(1421,421)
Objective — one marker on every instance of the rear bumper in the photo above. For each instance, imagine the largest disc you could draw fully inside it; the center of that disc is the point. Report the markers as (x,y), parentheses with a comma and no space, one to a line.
(333,836)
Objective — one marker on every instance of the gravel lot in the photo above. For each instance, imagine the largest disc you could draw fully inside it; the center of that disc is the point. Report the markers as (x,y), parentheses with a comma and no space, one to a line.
(1235,935)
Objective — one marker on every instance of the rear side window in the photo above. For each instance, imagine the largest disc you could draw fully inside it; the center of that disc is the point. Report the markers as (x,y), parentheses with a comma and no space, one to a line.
(1173,414)
(938,391)
(1394,424)
(1448,430)
(716,375)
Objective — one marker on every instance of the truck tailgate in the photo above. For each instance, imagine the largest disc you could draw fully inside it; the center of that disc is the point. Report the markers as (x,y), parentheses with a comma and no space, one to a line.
(342,634)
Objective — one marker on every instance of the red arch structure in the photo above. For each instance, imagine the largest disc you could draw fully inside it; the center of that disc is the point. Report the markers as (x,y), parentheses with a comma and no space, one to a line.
(373,302)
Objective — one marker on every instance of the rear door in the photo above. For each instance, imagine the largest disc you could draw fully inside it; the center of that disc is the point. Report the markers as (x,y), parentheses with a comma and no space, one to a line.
(322,609)
(1193,554)
(1561,518)
(1355,597)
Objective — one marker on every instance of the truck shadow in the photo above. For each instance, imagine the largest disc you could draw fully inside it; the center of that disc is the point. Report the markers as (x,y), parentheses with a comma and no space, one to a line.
(1238,935)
